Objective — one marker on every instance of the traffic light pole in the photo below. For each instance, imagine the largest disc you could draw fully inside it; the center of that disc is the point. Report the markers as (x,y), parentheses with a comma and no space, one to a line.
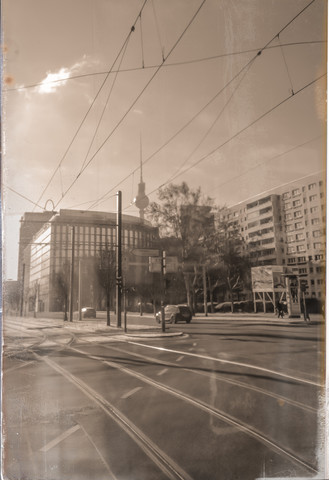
(163,272)
(119,258)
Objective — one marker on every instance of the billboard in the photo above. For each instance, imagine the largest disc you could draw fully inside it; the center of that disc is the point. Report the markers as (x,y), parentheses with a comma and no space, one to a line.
(267,278)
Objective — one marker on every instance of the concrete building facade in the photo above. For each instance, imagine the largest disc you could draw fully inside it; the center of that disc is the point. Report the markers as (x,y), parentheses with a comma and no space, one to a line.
(48,254)
(287,226)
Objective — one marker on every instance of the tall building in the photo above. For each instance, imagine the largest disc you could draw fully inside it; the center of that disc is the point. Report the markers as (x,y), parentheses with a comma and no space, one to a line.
(287,226)
(49,252)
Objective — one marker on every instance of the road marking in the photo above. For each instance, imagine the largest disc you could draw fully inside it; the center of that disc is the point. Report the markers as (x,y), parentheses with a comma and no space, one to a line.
(180,358)
(163,461)
(165,370)
(231,362)
(131,392)
(231,421)
(60,438)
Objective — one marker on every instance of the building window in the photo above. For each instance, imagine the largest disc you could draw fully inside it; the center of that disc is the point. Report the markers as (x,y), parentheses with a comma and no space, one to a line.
(317,233)
(290,228)
(290,238)
(302,270)
(300,236)
(253,224)
(285,195)
(297,214)
(312,198)
(301,248)
(315,221)
(317,245)
(291,260)
(298,225)
(295,192)
(296,203)
(314,209)
(312,281)
(312,186)
(291,250)
(288,216)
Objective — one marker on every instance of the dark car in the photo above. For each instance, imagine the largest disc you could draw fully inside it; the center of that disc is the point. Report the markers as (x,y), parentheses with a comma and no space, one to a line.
(176,313)
(88,312)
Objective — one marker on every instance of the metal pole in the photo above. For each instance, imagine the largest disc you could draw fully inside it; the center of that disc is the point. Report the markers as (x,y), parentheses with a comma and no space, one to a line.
(22,291)
(79,294)
(163,272)
(205,290)
(119,258)
(124,306)
(72,275)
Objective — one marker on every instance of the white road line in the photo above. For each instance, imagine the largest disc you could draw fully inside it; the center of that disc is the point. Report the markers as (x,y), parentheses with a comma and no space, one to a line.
(131,392)
(165,370)
(180,358)
(231,362)
(60,438)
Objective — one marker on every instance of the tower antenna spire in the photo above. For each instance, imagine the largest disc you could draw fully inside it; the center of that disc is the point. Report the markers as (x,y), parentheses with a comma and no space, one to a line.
(141,200)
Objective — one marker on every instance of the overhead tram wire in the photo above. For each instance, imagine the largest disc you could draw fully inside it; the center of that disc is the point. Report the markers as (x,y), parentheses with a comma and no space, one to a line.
(237,134)
(167,65)
(259,164)
(103,197)
(103,111)
(136,99)
(91,105)
(23,196)
(259,52)
(214,121)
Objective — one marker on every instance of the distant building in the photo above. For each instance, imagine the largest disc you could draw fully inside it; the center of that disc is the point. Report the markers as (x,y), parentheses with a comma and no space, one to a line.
(46,258)
(287,226)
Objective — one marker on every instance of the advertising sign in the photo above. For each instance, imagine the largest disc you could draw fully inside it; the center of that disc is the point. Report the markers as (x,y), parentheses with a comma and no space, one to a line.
(267,278)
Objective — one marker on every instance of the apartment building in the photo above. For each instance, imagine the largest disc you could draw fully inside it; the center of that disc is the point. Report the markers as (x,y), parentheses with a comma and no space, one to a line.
(287,226)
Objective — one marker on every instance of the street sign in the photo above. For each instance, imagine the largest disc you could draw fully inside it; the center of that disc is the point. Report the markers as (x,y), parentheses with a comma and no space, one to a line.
(155,264)
(145,252)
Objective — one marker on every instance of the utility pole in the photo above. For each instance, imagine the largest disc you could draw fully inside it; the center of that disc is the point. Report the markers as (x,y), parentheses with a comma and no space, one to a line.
(22,292)
(205,290)
(119,258)
(79,291)
(163,273)
(72,274)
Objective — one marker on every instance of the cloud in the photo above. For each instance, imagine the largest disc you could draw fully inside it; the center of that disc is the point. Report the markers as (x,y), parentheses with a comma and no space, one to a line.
(57,79)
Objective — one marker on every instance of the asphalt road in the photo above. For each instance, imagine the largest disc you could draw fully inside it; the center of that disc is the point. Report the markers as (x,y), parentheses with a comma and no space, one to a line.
(225,397)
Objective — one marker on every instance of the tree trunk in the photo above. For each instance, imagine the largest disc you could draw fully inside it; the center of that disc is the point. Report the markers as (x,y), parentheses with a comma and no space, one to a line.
(108,320)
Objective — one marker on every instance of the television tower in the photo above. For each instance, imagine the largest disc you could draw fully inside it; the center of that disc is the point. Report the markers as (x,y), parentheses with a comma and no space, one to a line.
(141,200)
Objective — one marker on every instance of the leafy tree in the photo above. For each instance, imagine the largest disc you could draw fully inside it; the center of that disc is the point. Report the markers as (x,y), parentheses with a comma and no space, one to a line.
(227,255)
(186,215)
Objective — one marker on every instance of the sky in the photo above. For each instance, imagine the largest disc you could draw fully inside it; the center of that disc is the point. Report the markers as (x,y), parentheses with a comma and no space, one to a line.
(92,88)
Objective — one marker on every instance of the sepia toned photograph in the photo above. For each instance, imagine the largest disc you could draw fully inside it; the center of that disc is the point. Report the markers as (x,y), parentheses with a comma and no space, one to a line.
(163,196)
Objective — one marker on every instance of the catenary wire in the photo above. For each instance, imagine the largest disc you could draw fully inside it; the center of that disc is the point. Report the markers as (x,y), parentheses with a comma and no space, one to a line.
(259,52)
(238,133)
(173,64)
(136,99)
(23,196)
(103,111)
(104,196)
(214,121)
(91,105)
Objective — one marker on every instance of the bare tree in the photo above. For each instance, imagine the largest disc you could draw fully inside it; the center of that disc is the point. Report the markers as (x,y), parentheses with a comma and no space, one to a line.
(106,276)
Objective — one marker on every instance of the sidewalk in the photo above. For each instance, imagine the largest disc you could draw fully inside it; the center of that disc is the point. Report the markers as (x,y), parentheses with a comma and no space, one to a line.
(145,326)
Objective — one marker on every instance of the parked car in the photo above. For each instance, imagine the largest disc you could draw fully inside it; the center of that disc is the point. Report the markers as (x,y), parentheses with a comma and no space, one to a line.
(88,312)
(175,313)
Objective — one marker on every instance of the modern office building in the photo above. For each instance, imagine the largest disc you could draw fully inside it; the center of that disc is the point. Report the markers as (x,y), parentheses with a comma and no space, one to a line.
(85,234)
(287,226)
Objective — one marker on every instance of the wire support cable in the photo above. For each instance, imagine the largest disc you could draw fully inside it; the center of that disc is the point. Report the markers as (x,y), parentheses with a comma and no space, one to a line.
(286,65)
(136,99)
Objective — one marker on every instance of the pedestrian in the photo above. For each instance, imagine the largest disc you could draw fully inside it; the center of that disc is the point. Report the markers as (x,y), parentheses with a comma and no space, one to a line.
(279,308)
